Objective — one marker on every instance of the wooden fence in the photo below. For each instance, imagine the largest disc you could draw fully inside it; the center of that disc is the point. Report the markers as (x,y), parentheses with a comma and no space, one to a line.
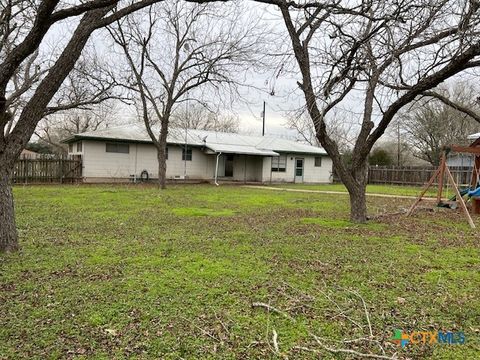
(41,171)
(414,175)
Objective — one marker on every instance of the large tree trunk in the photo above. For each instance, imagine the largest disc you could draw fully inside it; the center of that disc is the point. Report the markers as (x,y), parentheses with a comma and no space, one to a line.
(162,167)
(358,204)
(8,230)
(161,145)
(356,184)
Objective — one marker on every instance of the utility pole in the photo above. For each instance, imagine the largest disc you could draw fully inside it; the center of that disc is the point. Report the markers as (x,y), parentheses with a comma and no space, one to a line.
(263,115)
(186,140)
(398,143)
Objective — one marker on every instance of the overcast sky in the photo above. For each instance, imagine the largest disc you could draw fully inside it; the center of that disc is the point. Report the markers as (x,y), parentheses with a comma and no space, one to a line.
(282,84)
(278,89)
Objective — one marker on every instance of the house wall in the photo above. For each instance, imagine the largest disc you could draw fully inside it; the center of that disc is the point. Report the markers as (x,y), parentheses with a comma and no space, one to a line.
(460,160)
(311,173)
(99,165)
(102,166)
(321,174)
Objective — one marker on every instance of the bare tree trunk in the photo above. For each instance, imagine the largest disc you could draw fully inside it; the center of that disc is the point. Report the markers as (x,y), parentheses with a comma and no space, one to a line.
(162,167)
(358,204)
(354,177)
(8,230)
(162,153)
(356,185)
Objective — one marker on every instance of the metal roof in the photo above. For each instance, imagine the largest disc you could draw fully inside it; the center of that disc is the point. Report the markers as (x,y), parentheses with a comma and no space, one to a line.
(240,149)
(474,136)
(216,141)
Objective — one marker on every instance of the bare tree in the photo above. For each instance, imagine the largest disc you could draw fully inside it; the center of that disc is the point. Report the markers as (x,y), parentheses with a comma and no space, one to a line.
(370,59)
(199,117)
(56,127)
(199,49)
(85,102)
(340,130)
(23,27)
(431,123)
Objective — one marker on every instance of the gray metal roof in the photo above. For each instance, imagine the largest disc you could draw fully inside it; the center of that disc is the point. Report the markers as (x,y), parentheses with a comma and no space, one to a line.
(474,136)
(216,141)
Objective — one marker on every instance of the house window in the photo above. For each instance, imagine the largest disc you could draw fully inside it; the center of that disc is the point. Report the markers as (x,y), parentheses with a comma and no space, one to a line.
(70,148)
(279,163)
(79,146)
(118,148)
(187,155)
(318,161)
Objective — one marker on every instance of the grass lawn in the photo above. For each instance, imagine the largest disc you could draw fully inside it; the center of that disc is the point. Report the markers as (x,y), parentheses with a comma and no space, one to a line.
(372,189)
(124,271)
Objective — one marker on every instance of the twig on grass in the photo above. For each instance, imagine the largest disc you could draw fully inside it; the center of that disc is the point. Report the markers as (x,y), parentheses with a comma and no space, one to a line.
(255,343)
(221,323)
(272,309)
(341,311)
(303,348)
(367,315)
(205,332)
(353,352)
(319,341)
(275,341)
(352,341)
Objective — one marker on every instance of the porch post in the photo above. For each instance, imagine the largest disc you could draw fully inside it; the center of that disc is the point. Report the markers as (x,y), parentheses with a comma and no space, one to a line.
(216,169)
(245,170)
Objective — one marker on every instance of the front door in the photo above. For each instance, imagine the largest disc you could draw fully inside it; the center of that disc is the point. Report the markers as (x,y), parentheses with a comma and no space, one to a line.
(229,165)
(299,170)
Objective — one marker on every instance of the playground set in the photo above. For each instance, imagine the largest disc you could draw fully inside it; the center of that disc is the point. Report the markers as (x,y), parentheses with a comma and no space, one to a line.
(471,192)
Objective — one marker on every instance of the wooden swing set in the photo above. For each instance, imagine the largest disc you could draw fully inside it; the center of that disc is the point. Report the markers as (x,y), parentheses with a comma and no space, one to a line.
(443,170)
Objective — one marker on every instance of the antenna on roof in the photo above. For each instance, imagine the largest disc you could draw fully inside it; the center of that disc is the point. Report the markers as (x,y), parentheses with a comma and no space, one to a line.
(263,117)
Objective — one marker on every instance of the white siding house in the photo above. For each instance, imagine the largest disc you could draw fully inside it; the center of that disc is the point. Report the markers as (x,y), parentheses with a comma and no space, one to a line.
(125,153)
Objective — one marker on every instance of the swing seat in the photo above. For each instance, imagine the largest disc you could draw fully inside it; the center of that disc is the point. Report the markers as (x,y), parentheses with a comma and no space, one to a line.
(463,192)
(448,204)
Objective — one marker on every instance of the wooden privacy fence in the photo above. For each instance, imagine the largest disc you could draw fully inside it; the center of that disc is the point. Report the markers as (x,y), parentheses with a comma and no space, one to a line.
(41,171)
(414,175)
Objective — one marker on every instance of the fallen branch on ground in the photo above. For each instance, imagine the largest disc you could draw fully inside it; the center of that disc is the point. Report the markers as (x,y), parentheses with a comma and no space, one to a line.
(367,315)
(353,352)
(318,340)
(272,309)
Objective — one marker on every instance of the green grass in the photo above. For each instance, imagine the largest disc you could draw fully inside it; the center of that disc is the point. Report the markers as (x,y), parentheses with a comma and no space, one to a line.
(131,272)
(371,189)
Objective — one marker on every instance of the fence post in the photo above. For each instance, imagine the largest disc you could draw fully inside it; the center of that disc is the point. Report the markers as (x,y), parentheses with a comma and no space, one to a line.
(61,170)
(25,171)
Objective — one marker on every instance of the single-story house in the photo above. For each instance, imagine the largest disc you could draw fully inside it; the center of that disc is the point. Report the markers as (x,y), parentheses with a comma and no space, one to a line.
(126,153)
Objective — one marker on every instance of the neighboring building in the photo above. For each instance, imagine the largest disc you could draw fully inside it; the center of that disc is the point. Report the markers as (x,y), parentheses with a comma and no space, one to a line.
(460,160)
(28,154)
(124,153)
(464,160)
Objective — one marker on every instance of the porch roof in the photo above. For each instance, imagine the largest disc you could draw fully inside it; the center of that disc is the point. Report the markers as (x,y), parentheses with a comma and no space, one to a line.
(240,149)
